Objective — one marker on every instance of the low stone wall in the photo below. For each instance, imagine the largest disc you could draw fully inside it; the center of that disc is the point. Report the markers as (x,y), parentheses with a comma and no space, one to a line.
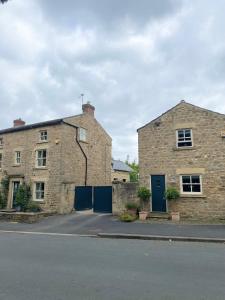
(123,192)
(24,217)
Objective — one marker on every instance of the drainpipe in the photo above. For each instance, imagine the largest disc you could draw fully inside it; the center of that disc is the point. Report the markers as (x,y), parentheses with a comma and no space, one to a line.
(85,156)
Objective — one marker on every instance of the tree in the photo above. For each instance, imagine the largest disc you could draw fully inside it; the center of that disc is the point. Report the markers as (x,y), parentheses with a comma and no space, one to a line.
(2,1)
(134,175)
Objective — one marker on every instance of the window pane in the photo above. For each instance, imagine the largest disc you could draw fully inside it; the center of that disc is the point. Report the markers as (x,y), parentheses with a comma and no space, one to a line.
(195,179)
(180,133)
(196,188)
(186,179)
(186,188)
(187,133)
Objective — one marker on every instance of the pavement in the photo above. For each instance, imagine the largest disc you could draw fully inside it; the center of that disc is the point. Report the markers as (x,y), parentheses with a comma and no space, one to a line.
(105,225)
(57,267)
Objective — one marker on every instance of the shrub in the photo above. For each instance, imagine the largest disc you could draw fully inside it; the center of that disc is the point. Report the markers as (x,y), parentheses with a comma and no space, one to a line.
(4,192)
(131,205)
(125,217)
(144,193)
(172,193)
(23,196)
(33,207)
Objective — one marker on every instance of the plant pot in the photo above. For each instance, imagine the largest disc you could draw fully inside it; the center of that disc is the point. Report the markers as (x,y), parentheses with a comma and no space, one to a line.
(132,212)
(143,215)
(175,216)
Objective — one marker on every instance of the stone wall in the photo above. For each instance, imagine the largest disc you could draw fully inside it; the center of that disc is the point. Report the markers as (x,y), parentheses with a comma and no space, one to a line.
(122,194)
(158,154)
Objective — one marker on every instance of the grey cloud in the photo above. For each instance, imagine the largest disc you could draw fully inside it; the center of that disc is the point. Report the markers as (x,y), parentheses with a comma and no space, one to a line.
(130,75)
(105,12)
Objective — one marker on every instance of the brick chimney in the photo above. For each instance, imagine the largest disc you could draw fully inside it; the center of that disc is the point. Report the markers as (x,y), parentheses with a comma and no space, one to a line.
(18,122)
(88,109)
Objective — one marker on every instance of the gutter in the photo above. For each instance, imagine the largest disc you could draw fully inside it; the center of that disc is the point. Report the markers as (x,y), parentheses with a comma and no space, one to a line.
(82,150)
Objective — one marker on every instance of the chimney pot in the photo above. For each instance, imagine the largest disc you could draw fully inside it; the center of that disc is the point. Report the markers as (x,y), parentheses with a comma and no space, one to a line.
(88,109)
(18,122)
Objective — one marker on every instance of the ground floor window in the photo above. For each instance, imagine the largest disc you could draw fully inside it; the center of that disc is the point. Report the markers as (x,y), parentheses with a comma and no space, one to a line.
(39,191)
(191,184)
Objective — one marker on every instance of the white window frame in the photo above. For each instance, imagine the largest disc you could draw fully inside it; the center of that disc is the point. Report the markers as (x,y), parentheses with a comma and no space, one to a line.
(43,135)
(82,134)
(1,160)
(177,138)
(1,141)
(17,157)
(40,191)
(41,159)
(190,193)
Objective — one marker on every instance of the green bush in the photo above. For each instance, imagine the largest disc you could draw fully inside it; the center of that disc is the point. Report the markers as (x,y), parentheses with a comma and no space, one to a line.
(23,196)
(144,193)
(4,190)
(125,217)
(131,205)
(2,201)
(172,193)
(33,207)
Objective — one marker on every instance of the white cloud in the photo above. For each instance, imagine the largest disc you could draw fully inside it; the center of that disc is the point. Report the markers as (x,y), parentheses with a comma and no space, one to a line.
(133,62)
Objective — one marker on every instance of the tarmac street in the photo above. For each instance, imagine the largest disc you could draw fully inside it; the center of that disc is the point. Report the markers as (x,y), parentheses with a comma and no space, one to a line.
(58,267)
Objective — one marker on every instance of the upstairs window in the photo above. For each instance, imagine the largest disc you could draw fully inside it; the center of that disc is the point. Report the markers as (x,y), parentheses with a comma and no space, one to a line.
(41,158)
(184,138)
(82,134)
(1,160)
(17,157)
(1,142)
(191,184)
(43,135)
(39,191)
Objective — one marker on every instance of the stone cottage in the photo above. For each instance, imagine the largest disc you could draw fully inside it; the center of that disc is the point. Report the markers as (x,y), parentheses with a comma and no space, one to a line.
(185,148)
(120,171)
(54,157)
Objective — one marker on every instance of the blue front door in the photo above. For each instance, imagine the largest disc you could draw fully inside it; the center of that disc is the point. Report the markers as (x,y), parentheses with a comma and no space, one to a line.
(158,193)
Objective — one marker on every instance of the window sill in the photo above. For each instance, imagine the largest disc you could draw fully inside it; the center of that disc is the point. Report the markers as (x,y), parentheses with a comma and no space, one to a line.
(40,168)
(183,148)
(192,196)
(38,200)
(16,165)
(42,142)
(85,142)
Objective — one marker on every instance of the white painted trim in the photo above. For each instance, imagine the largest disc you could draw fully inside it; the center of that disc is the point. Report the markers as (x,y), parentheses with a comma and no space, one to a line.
(190,193)
(34,191)
(192,139)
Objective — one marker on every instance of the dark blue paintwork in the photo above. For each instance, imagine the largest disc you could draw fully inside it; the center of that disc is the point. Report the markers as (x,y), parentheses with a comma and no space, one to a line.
(103,199)
(158,193)
(83,198)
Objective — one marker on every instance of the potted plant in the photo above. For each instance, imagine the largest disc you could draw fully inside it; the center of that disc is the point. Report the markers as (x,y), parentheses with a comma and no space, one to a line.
(132,208)
(144,195)
(172,194)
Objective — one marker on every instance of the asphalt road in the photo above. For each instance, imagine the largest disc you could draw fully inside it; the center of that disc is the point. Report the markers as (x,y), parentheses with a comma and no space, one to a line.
(45,267)
(97,223)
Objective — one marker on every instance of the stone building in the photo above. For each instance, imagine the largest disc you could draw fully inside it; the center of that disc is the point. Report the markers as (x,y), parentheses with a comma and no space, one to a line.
(54,157)
(120,171)
(185,148)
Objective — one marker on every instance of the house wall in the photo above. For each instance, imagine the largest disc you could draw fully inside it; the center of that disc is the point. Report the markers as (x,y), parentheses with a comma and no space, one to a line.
(28,142)
(158,155)
(120,176)
(98,151)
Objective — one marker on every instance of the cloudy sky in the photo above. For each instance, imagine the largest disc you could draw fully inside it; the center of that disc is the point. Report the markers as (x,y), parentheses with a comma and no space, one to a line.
(133,59)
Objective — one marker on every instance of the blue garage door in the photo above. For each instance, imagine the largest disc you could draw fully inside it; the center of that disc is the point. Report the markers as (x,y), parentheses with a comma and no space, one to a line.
(103,199)
(83,198)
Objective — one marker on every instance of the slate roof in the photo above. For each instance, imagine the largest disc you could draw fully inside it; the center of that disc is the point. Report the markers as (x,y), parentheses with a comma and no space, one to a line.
(119,165)
(31,126)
